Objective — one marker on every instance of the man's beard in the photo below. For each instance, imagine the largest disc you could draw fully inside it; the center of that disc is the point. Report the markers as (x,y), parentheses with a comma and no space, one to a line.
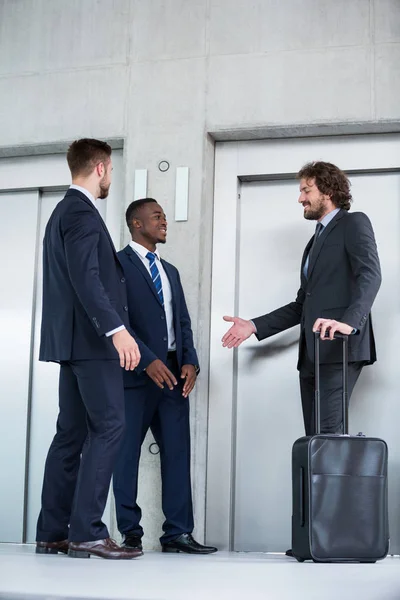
(316,213)
(104,188)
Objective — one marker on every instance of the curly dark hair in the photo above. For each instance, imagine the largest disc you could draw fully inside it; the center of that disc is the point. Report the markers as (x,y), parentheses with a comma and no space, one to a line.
(330,180)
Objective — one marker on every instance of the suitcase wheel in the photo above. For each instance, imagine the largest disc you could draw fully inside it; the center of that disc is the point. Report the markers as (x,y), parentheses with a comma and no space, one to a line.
(299,559)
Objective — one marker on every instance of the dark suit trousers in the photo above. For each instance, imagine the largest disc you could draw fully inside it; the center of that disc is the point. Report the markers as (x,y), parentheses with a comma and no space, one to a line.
(331,382)
(81,458)
(166,413)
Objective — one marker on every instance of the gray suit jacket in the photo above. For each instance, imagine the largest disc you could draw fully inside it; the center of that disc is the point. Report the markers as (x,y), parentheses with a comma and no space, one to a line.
(344,277)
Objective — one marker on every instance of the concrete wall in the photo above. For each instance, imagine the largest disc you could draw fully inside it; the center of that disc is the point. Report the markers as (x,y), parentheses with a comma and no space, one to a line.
(163,73)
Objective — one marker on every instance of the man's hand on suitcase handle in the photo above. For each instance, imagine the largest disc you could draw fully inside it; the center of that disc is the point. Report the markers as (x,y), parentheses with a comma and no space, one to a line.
(328,327)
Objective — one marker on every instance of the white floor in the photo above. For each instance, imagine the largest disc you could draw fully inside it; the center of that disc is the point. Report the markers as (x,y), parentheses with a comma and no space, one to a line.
(156,576)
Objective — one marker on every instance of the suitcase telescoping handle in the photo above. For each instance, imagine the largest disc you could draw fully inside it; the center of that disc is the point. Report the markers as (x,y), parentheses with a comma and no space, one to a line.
(345,340)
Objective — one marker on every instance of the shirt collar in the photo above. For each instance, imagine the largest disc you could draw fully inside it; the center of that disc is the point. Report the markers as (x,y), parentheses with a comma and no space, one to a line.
(328,218)
(84,191)
(141,250)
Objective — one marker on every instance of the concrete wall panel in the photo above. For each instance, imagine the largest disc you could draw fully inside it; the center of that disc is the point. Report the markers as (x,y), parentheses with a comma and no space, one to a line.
(49,35)
(289,87)
(386,21)
(387,81)
(63,105)
(164,29)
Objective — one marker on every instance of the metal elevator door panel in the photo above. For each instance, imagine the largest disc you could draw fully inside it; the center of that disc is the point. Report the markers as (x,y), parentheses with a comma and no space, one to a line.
(375,406)
(273,235)
(18,230)
(44,406)
(29,389)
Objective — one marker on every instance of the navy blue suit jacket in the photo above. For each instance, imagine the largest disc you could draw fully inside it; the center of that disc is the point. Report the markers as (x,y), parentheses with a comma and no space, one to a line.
(147,317)
(84,290)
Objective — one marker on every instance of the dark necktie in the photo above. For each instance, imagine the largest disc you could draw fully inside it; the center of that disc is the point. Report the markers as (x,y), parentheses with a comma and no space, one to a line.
(319,227)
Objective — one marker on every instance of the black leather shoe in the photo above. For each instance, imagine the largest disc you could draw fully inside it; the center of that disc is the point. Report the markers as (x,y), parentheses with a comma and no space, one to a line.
(132,542)
(186,543)
(289,553)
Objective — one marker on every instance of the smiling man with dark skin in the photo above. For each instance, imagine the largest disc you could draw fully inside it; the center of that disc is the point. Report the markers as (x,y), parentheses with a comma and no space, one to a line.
(158,397)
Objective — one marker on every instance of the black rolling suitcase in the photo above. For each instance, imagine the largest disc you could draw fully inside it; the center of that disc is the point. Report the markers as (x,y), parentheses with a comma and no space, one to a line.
(339,490)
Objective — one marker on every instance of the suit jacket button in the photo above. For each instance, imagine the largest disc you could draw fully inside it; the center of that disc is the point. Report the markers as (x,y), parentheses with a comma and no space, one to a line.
(125,308)
(165,339)
(162,317)
(122,279)
(308,294)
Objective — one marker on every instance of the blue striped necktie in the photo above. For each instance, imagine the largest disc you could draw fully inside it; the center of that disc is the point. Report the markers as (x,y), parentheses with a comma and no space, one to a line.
(155,275)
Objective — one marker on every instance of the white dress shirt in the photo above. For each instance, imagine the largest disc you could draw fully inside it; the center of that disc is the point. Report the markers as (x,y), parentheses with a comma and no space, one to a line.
(141,251)
(73,186)
(93,201)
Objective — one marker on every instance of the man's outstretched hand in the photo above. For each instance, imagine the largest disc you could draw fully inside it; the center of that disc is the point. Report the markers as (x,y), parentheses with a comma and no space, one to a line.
(240,331)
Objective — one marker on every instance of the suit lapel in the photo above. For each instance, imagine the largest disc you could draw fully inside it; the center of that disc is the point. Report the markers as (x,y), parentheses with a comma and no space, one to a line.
(172,282)
(303,262)
(321,240)
(137,263)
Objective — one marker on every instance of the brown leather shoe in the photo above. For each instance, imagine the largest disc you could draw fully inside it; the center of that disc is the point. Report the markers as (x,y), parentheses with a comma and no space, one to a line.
(106,548)
(52,547)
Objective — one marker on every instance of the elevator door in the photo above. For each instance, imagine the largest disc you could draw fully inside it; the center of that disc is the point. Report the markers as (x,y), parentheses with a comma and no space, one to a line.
(272,237)
(28,388)
(18,233)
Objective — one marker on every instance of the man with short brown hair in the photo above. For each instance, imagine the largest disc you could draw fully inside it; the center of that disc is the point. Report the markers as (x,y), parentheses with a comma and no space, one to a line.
(84,329)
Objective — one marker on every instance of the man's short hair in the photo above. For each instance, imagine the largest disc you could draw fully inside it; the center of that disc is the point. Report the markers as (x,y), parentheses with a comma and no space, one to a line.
(85,154)
(133,210)
(330,180)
